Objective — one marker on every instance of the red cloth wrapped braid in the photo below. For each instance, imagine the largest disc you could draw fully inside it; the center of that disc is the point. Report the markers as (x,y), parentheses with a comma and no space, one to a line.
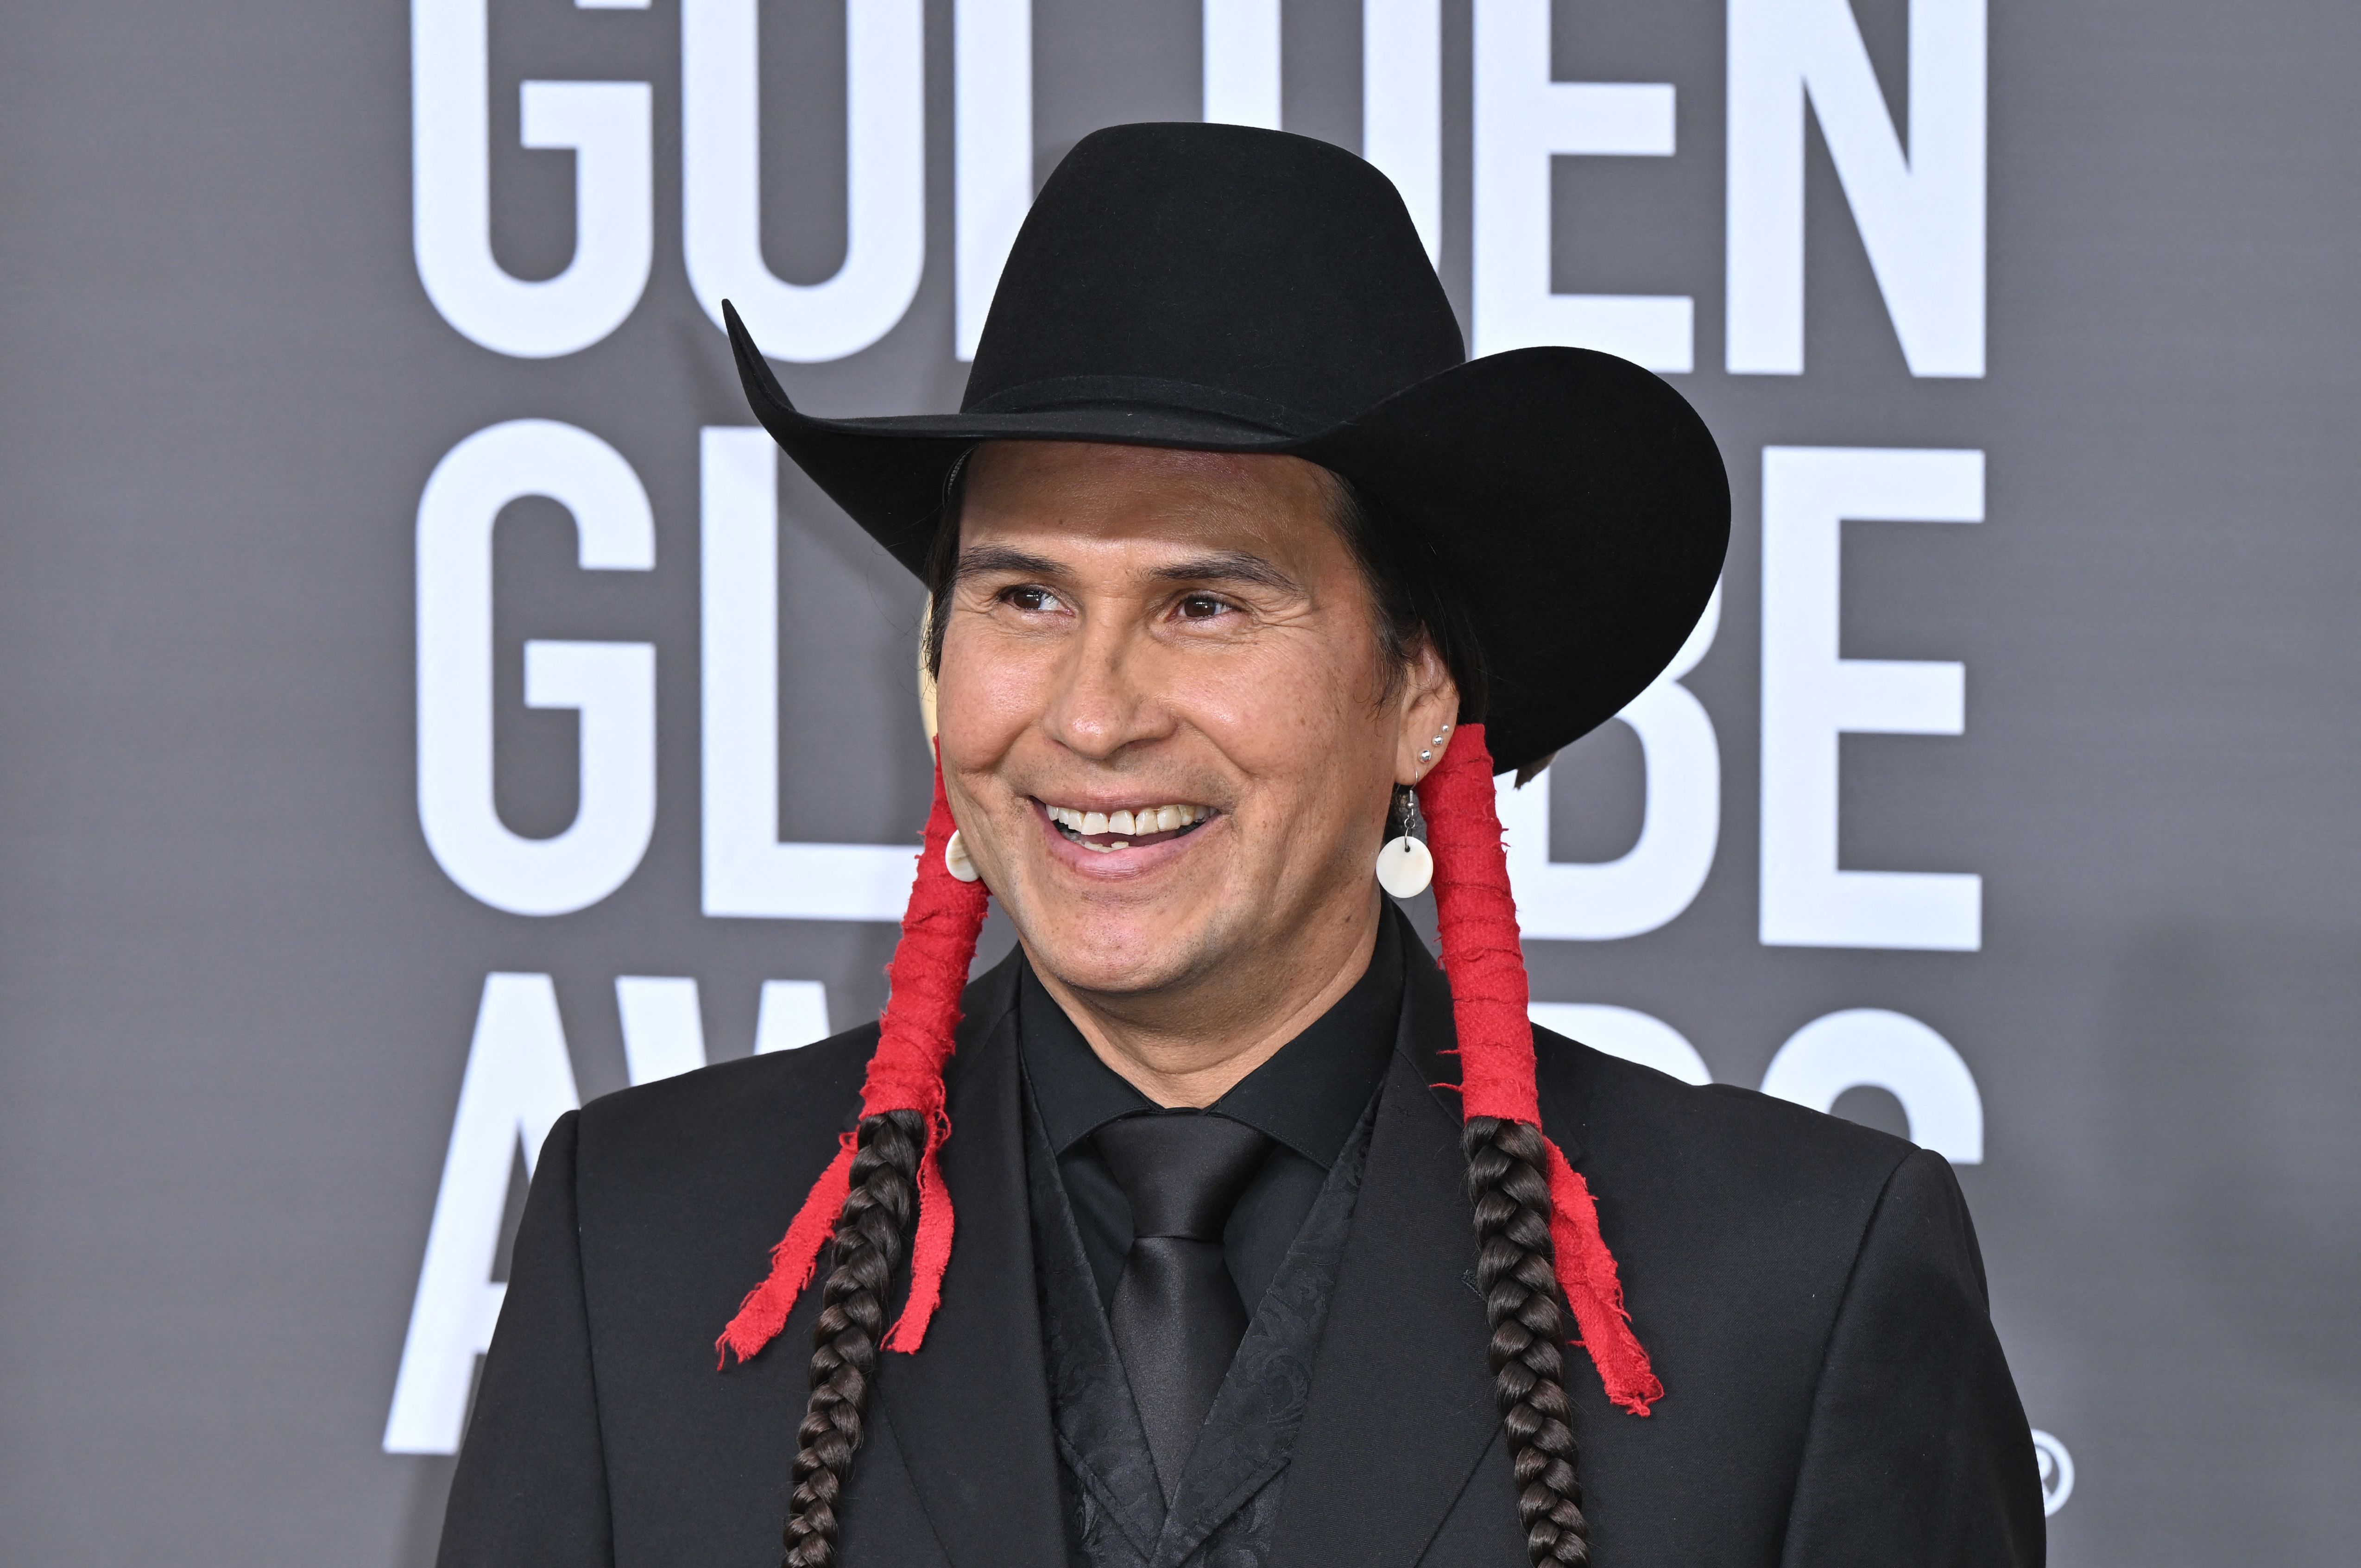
(1477,920)
(1480,954)
(914,1042)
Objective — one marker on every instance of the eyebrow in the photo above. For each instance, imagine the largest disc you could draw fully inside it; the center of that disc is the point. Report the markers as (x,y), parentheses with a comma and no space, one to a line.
(1223,567)
(977,560)
(1228,567)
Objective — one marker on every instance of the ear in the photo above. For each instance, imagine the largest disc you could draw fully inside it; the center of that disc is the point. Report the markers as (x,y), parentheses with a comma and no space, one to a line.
(1429,710)
(926,674)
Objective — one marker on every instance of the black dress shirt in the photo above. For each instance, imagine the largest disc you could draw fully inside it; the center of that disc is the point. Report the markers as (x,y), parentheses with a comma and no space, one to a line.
(1308,1098)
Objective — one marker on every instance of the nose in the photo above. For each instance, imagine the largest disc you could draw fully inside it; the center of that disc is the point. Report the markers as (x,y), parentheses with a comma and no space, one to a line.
(1106,699)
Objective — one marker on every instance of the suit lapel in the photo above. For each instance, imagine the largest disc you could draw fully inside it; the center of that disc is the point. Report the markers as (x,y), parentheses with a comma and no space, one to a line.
(970,1411)
(1401,1406)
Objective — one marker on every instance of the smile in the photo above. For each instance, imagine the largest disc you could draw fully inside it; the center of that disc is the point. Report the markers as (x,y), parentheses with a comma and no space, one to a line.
(1127,826)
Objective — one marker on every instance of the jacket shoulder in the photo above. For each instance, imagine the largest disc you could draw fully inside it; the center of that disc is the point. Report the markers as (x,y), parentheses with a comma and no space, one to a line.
(1714,1191)
(753,1112)
(775,1115)
(1620,1109)
(1739,1222)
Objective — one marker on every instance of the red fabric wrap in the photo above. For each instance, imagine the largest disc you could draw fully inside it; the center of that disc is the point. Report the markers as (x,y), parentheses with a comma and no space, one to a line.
(1586,1272)
(1477,918)
(1477,922)
(764,1311)
(905,1073)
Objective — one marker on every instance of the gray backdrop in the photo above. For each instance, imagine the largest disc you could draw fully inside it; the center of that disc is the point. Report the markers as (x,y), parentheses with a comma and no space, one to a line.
(239,993)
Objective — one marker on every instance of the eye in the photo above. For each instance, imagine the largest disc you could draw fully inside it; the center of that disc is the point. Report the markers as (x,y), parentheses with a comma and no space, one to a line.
(1202,607)
(1031,598)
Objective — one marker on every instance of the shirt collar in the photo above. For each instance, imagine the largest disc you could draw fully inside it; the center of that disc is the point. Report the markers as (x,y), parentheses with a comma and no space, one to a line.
(1309,1095)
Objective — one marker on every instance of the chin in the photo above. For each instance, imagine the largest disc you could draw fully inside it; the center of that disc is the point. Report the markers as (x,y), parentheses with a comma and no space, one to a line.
(1109,969)
(1088,950)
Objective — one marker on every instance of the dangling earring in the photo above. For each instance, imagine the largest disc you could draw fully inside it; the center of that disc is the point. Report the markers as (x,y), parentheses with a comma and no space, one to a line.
(1404,867)
(955,859)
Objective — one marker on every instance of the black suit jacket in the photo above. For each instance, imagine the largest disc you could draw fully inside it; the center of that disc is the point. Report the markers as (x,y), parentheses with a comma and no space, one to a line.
(1811,1291)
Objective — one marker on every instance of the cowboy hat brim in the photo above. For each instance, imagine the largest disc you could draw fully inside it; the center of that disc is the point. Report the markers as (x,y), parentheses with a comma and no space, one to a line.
(1575,499)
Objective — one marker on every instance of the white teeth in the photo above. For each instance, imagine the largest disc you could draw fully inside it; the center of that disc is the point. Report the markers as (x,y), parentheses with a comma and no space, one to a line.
(1127,822)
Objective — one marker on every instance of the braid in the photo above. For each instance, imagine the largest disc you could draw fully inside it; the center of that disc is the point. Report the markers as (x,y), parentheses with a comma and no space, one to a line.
(869,1236)
(1516,1270)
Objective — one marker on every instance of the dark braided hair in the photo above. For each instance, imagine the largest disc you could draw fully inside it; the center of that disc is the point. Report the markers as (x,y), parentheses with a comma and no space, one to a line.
(868,1235)
(1516,1263)
(1516,1271)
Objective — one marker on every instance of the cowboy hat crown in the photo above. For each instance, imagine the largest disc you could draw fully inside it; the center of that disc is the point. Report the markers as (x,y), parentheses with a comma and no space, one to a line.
(1209,281)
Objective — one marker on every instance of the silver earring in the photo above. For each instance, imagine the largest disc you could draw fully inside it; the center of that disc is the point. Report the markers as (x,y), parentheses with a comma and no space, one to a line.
(1428,755)
(1404,866)
(956,860)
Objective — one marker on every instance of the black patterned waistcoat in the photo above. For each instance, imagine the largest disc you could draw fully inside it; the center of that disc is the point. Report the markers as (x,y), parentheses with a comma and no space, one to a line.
(1227,1502)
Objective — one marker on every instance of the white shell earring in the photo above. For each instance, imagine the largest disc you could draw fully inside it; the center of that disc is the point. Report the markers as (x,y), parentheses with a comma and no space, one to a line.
(956,860)
(1404,866)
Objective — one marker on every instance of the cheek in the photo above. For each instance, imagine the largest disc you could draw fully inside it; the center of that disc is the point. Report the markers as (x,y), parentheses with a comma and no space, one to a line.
(986,696)
(1299,718)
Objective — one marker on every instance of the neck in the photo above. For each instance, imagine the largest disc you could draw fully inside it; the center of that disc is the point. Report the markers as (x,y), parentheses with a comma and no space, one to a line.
(1189,1043)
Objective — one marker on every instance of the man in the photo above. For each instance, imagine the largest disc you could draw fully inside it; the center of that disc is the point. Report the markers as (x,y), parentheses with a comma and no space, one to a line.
(1266,1233)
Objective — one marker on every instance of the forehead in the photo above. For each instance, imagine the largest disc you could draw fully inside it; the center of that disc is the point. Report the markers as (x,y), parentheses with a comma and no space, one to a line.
(1091,496)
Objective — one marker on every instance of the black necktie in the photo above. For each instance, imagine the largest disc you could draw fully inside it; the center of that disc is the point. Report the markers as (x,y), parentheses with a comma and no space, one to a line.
(1177,1317)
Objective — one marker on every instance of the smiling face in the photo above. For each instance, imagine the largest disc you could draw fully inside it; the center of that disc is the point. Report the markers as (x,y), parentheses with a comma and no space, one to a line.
(1168,731)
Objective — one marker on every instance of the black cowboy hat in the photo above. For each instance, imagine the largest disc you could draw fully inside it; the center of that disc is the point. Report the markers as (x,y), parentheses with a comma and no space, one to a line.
(1231,290)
